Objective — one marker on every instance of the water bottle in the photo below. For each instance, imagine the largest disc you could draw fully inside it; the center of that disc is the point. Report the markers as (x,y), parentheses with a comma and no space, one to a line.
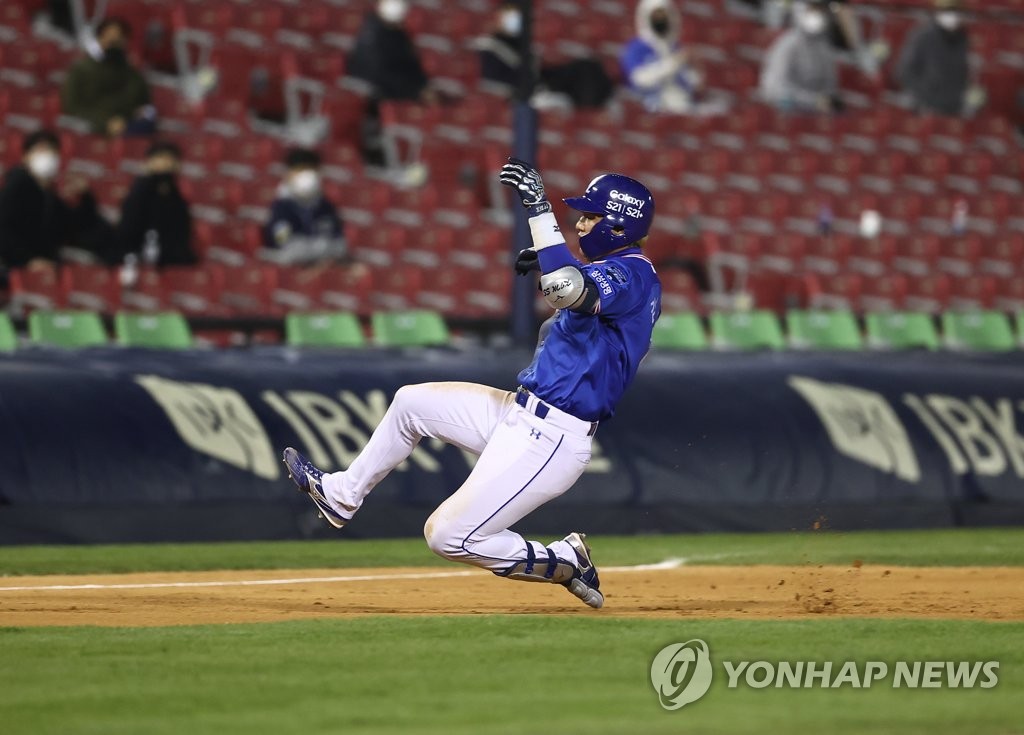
(151,248)
(129,274)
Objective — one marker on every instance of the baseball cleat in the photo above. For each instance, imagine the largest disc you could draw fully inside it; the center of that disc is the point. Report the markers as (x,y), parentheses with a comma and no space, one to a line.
(584,583)
(308,478)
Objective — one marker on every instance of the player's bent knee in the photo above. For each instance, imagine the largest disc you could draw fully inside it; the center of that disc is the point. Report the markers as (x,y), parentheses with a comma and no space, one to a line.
(442,540)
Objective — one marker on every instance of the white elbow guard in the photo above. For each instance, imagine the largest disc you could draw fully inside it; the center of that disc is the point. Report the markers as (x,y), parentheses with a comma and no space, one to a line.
(563,288)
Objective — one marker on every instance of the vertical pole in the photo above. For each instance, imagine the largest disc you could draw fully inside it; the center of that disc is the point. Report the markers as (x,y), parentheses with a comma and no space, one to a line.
(524,145)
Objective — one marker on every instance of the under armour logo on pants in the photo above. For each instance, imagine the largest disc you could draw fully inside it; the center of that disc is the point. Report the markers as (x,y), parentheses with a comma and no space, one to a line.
(535,434)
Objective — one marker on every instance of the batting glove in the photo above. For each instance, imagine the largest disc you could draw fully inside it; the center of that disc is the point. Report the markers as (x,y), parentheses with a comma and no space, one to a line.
(527,261)
(525,180)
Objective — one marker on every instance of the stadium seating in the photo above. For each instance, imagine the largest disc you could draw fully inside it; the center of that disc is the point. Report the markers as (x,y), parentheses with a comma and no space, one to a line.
(162,330)
(679,331)
(900,330)
(412,328)
(770,203)
(323,329)
(977,331)
(8,338)
(823,330)
(746,330)
(70,329)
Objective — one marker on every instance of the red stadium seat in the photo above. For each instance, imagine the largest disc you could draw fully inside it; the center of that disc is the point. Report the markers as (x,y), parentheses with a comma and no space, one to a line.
(145,293)
(489,293)
(347,288)
(91,287)
(396,288)
(195,291)
(841,291)
(445,290)
(679,291)
(35,289)
(887,292)
(928,293)
(972,292)
(829,254)
(873,256)
(960,256)
(1002,256)
(248,291)
(917,255)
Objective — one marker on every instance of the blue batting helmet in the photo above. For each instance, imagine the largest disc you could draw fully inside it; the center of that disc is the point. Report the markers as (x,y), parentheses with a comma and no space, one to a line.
(627,207)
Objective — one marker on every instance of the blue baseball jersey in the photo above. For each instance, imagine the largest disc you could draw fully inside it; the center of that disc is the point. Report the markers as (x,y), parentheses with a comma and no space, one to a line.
(586,361)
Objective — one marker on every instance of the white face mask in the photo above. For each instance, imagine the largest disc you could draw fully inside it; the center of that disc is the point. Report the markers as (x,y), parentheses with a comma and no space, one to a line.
(511,22)
(812,22)
(44,165)
(305,184)
(393,11)
(948,19)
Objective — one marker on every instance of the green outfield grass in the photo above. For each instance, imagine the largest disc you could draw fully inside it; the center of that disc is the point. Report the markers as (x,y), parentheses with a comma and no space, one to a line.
(928,548)
(501,674)
(586,674)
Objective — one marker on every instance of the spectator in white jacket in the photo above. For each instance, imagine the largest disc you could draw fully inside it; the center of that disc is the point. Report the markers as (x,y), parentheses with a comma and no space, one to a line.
(800,71)
(656,65)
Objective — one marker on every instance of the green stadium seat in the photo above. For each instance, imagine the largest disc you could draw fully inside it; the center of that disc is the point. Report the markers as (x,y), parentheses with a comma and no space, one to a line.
(901,330)
(323,329)
(66,328)
(164,330)
(8,339)
(977,330)
(416,328)
(823,330)
(680,331)
(746,330)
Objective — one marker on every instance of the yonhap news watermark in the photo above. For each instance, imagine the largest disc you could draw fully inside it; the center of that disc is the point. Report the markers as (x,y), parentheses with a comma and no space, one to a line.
(681,674)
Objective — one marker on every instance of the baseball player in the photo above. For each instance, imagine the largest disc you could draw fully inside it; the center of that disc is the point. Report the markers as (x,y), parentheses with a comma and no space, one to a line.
(535,442)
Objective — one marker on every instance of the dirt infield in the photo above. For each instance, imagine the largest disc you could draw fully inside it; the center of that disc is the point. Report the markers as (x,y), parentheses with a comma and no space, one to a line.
(981,593)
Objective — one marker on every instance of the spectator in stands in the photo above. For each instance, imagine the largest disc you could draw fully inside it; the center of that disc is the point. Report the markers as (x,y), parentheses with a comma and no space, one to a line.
(156,226)
(580,83)
(385,57)
(304,226)
(657,67)
(34,221)
(800,72)
(933,67)
(107,91)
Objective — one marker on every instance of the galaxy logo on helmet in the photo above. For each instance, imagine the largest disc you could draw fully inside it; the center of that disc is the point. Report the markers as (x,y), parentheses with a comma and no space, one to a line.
(627,209)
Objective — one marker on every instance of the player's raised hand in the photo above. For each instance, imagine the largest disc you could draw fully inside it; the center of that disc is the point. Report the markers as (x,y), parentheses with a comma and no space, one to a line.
(525,180)
(527,261)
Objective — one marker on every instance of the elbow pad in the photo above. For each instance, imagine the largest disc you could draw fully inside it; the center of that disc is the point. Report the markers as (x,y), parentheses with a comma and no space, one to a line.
(563,288)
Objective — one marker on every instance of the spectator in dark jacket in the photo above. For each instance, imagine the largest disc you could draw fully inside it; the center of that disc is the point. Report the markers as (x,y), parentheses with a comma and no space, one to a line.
(155,222)
(34,221)
(583,81)
(108,92)
(304,226)
(384,56)
(933,63)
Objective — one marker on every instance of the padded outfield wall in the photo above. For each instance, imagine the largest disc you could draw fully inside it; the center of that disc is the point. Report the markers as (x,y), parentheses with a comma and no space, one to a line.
(130,445)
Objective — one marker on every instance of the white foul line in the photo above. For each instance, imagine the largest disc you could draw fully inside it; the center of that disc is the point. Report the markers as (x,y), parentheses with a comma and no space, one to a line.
(667,564)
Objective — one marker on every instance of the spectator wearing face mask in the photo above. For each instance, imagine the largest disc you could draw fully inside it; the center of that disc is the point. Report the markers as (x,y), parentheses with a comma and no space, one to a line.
(35,223)
(654,62)
(156,225)
(106,90)
(384,56)
(800,72)
(582,82)
(933,66)
(304,226)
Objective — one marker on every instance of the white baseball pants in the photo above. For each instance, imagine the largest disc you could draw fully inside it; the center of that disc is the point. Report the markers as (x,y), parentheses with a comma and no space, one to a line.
(525,461)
